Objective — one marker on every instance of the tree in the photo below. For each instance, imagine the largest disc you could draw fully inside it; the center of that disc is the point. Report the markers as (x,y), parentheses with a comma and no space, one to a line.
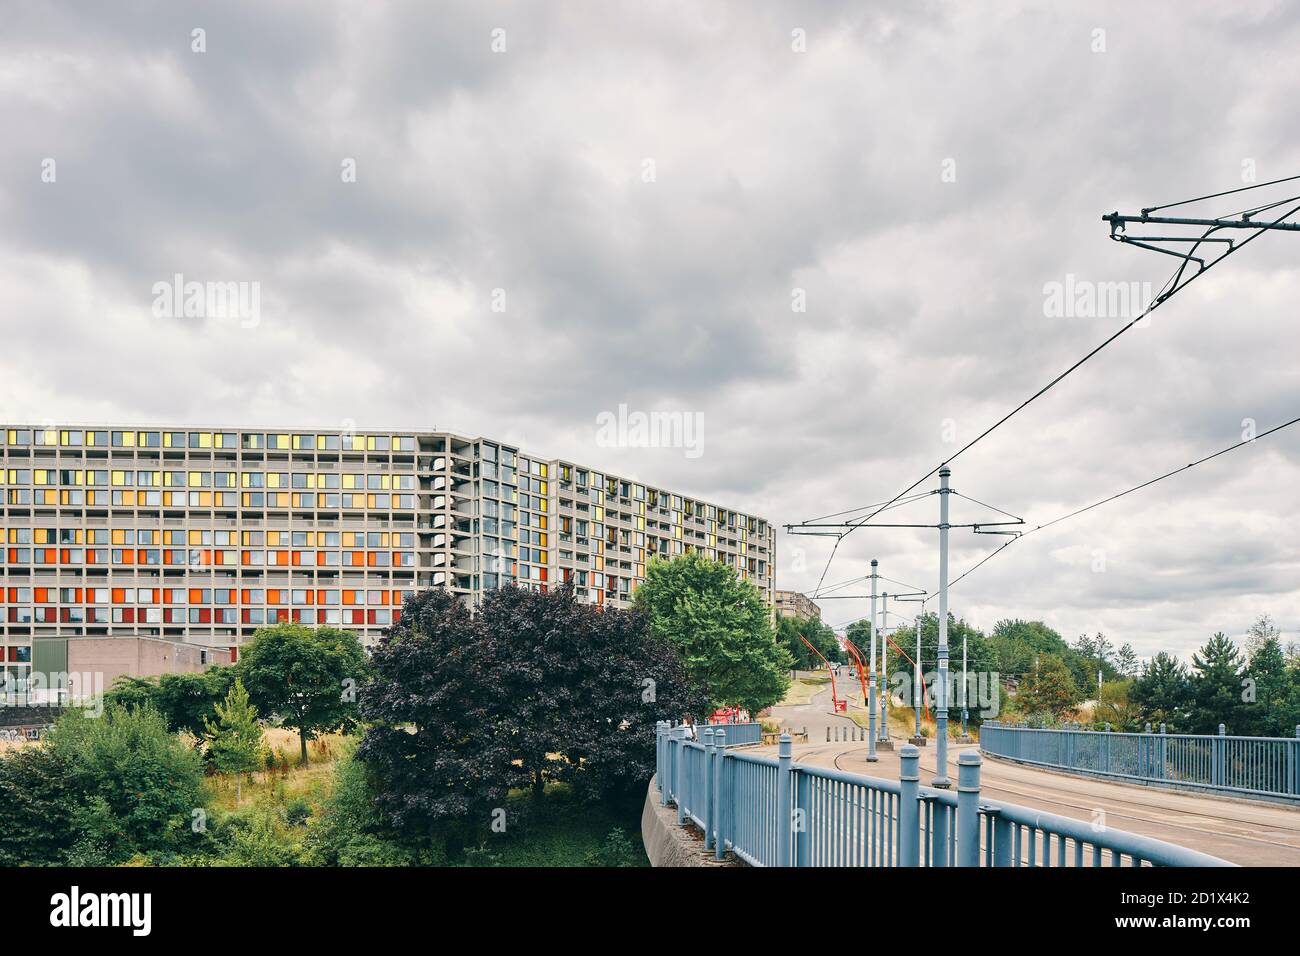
(1126,660)
(1268,708)
(235,737)
(720,626)
(440,760)
(819,635)
(1015,644)
(1048,689)
(1162,693)
(39,807)
(135,785)
(309,677)
(537,687)
(1261,631)
(187,701)
(1217,687)
(1116,707)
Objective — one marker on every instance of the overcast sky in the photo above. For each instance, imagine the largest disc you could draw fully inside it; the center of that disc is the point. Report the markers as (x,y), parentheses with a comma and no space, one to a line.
(649,185)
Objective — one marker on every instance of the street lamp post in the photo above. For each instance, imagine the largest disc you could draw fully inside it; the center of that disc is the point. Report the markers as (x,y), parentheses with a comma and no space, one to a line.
(941,680)
(871,684)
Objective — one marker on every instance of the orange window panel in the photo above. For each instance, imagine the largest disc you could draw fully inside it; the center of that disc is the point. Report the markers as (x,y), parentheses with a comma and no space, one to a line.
(119,595)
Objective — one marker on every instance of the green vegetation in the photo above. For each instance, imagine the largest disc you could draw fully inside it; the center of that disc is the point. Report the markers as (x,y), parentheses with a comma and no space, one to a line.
(534,689)
(309,677)
(235,738)
(819,635)
(720,627)
(802,689)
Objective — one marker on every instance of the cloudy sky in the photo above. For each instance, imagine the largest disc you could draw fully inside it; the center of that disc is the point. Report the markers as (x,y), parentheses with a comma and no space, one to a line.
(561,208)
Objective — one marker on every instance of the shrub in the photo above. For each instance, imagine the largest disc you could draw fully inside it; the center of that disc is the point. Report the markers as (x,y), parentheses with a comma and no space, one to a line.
(617,850)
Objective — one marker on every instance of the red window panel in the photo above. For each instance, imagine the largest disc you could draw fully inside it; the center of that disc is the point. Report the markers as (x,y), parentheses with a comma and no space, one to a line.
(279,616)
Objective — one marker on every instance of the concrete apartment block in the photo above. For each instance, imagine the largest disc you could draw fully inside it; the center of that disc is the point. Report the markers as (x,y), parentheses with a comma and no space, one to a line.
(202,535)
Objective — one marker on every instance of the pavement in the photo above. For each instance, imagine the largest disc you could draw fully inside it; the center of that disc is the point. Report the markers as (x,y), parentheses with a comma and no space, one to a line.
(1248,832)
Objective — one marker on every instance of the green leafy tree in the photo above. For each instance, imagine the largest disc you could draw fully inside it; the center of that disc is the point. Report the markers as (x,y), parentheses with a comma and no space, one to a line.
(1217,687)
(1126,660)
(1115,706)
(235,738)
(135,784)
(1048,690)
(1015,644)
(187,701)
(309,677)
(819,635)
(40,807)
(1162,693)
(1268,710)
(721,628)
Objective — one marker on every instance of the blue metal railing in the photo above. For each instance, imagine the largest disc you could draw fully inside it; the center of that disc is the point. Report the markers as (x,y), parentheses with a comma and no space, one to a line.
(746,733)
(772,812)
(1250,766)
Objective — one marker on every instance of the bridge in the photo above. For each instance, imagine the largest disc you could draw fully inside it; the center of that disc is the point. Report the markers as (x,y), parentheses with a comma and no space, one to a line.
(1003,812)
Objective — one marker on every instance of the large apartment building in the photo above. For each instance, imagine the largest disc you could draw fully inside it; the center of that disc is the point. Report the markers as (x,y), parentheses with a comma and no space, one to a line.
(203,535)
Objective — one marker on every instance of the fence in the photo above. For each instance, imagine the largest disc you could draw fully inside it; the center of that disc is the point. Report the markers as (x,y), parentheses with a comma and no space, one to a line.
(771,812)
(1250,766)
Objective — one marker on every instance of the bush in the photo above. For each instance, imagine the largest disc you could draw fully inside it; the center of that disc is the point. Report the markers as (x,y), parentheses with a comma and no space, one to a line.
(348,830)
(297,811)
(617,850)
(260,838)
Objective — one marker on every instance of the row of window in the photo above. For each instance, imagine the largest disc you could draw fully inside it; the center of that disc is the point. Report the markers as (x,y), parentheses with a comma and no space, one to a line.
(76,498)
(201,615)
(214,557)
(121,478)
(248,441)
(298,597)
(195,537)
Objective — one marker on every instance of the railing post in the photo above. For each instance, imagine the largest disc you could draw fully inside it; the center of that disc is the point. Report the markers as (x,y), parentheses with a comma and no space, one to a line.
(709,738)
(721,803)
(968,809)
(661,762)
(909,806)
(1219,746)
(1293,755)
(1002,839)
(1105,742)
(784,806)
(678,770)
(938,833)
(800,821)
(1164,748)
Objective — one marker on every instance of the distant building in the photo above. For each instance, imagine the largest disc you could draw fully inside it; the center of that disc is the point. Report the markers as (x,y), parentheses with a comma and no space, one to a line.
(66,670)
(796,604)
